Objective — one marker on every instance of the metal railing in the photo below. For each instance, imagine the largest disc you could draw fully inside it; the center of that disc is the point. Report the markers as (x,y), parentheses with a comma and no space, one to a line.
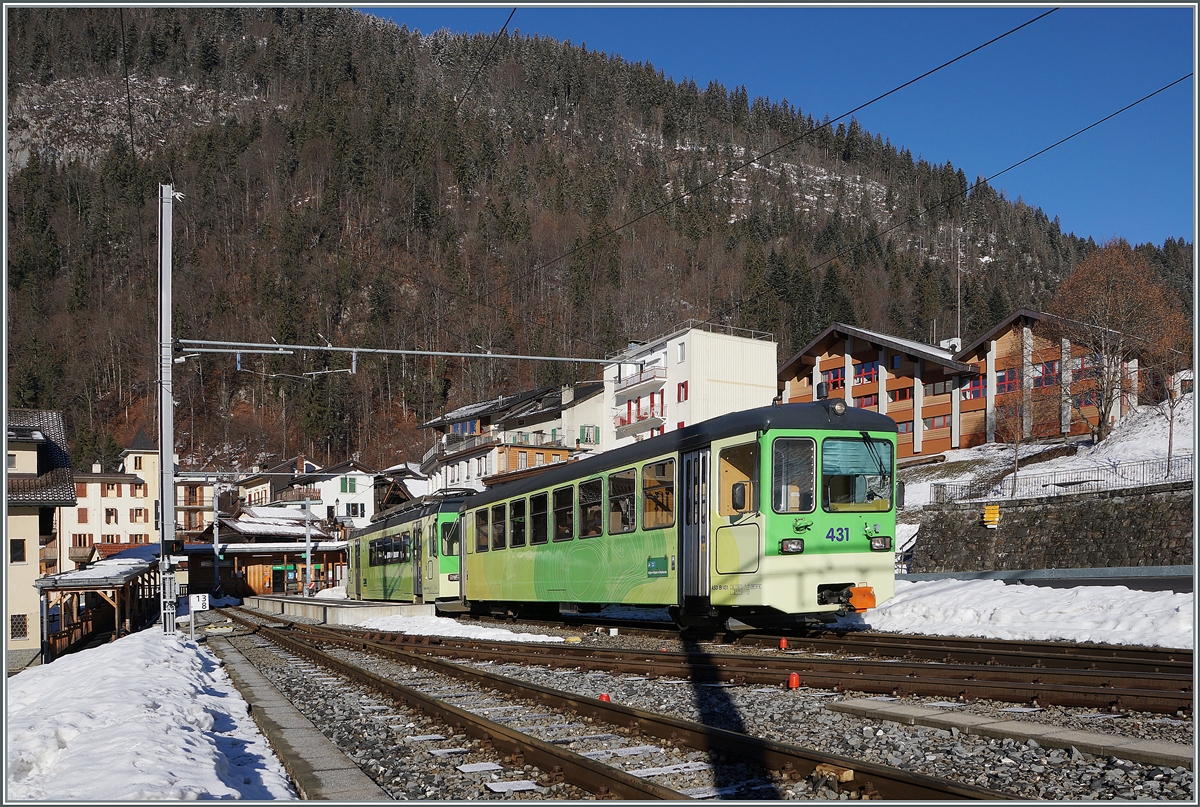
(653,374)
(629,417)
(299,495)
(1059,483)
(532,439)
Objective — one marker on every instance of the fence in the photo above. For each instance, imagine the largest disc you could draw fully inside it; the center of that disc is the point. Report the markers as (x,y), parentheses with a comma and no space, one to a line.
(1058,483)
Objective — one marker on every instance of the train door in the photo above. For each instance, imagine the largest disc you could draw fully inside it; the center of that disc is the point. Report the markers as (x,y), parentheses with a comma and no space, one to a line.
(418,551)
(356,570)
(693,528)
(431,560)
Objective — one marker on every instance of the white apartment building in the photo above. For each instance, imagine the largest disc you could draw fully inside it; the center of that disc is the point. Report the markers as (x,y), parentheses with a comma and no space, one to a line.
(696,372)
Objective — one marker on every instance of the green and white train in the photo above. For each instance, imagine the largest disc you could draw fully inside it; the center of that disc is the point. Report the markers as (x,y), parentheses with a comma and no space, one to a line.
(772,516)
(409,553)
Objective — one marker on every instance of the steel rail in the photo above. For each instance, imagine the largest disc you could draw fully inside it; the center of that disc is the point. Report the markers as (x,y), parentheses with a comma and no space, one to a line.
(558,763)
(866,779)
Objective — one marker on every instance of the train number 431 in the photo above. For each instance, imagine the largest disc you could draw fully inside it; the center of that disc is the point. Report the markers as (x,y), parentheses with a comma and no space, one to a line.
(838,534)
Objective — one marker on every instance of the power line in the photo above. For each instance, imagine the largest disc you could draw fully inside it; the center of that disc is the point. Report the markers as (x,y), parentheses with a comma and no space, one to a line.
(484,61)
(596,239)
(984,181)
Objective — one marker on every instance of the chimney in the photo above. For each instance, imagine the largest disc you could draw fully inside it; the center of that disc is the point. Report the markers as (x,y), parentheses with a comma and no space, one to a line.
(96,468)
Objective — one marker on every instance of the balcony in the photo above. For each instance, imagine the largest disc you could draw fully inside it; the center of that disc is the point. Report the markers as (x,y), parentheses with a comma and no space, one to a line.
(639,419)
(532,439)
(645,381)
(299,495)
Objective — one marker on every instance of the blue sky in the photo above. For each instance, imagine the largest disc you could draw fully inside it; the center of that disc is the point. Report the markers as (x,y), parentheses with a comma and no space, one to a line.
(1132,177)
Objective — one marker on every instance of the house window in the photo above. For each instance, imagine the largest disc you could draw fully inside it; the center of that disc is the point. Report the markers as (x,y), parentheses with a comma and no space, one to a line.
(81,539)
(80,488)
(905,427)
(139,515)
(356,509)
(1185,386)
(539,459)
(976,388)
(1008,380)
(112,489)
(589,434)
(110,538)
(12,462)
(137,490)
(137,463)
(82,515)
(862,402)
(895,362)
(349,484)
(939,387)
(522,460)
(139,538)
(939,422)
(902,394)
(1085,367)
(110,515)
(681,351)
(18,626)
(1085,398)
(16,550)
(835,378)
(682,392)
(1046,374)
(866,373)
(679,425)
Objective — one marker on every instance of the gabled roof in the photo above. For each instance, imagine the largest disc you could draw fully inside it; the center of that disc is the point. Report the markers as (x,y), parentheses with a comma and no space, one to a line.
(895,343)
(140,444)
(256,529)
(1003,325)
(53,486)
(334,471)
(496,406)
(288,467)
(548,403)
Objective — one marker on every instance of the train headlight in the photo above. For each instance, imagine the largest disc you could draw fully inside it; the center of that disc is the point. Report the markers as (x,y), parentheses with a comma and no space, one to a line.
(881,543)
(791,546)
(838,407)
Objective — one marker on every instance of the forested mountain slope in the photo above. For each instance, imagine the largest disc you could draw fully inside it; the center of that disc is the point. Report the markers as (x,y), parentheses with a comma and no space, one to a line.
(348,180)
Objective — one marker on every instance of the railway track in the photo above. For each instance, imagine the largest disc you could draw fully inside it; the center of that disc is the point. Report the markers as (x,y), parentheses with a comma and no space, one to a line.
(1030,683)
(614,750)
(945,649)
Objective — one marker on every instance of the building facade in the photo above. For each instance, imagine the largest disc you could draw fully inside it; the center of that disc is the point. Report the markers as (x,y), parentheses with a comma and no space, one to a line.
(40,485)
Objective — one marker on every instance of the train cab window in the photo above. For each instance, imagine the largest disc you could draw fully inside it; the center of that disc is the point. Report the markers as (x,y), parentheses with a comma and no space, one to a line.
(538,532)
(738,478)
(591,503)
(516,523)
(564,514)
(498,524)
(793,475)
(658,495)
(621,491)
(450,539)
(856,474)
(483,535)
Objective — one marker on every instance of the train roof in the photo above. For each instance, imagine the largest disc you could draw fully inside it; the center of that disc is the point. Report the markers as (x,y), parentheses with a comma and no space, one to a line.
(817,415)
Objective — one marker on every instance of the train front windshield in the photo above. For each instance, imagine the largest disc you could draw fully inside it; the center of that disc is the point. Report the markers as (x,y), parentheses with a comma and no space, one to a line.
(856,474)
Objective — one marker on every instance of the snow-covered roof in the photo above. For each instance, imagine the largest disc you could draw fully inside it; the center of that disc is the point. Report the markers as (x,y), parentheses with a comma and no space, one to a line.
(252,526)
(115,571)
(243,549)
(284,514)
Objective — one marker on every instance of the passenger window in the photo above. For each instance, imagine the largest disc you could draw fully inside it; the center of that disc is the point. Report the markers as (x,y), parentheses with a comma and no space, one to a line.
(793,475)
(482,534)
(658,495)
(538,532)
(591,502)
(621,486)
(498,527)
(450,539)
(516,523)
(738,479)
(564,514)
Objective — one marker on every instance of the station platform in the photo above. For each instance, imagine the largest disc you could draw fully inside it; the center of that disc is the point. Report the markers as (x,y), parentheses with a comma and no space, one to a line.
(333,612)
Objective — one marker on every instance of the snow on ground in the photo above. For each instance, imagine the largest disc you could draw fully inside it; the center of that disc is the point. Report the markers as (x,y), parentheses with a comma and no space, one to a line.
(147,717)
(335,593)
(441,626)
(992,609)
(1141,435)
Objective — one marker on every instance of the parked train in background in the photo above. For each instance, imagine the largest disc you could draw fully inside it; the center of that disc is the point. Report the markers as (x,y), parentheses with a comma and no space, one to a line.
(768,517)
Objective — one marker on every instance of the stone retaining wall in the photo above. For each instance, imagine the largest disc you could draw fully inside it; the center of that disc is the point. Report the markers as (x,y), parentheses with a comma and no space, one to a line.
(1130,527)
